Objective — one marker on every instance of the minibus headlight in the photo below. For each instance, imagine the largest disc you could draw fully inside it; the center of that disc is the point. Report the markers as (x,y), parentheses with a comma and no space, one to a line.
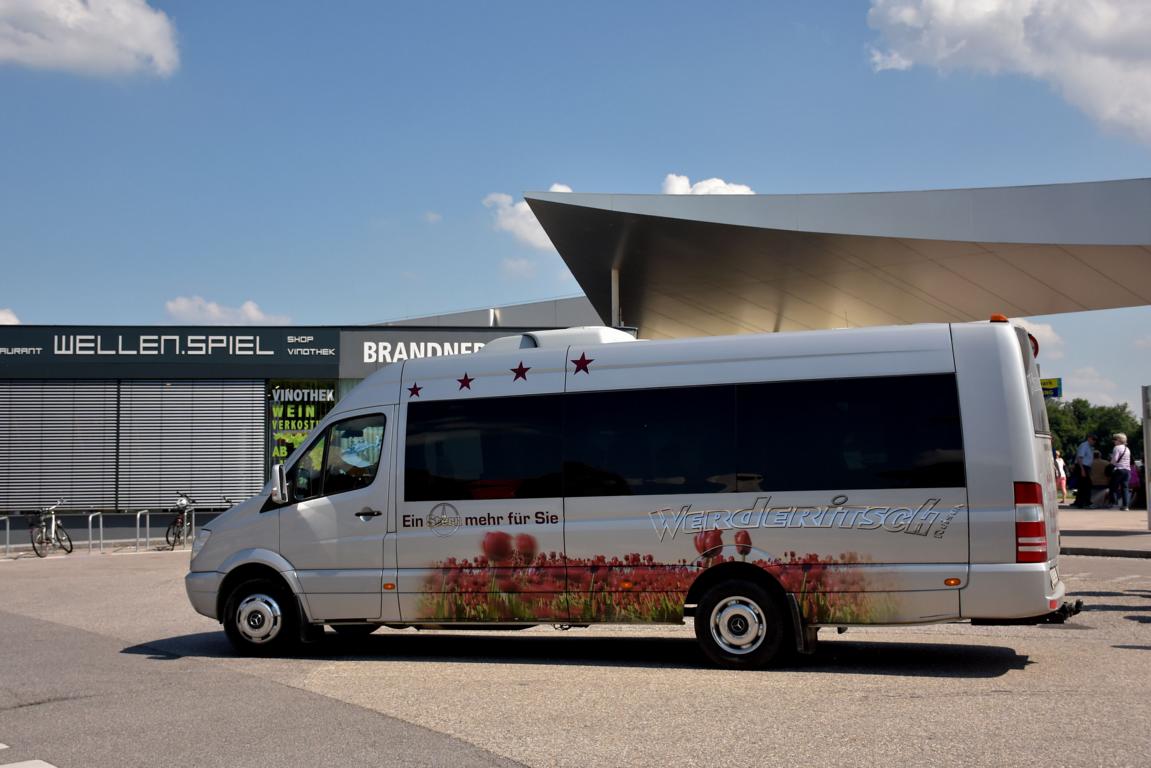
(200,540)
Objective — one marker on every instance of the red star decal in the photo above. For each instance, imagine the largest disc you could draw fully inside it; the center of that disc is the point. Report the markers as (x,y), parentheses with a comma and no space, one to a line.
(466,381)
(582,364)
(415,389)
(521,371)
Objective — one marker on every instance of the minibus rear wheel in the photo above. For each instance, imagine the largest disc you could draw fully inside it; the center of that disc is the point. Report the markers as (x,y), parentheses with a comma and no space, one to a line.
(260,617)
(740,625)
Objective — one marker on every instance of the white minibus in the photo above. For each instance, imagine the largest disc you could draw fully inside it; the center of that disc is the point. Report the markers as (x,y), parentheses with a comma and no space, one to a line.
(763,485)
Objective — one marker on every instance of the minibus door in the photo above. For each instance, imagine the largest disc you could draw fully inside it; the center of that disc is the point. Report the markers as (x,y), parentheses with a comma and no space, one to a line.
(334,531)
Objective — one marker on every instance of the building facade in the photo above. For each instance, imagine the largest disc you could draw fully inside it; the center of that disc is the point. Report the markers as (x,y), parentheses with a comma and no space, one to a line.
(124,417)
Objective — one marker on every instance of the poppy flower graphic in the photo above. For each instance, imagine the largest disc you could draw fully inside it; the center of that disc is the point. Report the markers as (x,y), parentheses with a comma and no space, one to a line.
(526,547)
(497,546)
(743,543)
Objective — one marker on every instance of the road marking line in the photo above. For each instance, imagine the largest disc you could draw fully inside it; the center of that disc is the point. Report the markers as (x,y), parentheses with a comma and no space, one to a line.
(28,764)
(3,746)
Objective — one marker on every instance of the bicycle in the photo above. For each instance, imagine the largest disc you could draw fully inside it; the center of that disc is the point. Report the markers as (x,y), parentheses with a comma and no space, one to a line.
(48,533)
(181,528)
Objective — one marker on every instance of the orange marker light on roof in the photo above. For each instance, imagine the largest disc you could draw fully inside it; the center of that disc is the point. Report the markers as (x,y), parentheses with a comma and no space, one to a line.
(997,318)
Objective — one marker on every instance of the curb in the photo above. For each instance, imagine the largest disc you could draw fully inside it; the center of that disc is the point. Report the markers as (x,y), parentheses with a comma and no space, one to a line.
(1099,552)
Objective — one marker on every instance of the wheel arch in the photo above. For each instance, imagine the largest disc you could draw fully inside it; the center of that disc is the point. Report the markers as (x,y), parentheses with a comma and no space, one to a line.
(734,570)
(255,570)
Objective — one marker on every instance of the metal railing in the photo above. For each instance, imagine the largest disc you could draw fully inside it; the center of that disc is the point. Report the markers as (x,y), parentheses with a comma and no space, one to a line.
(97,537)
(100,516)
(147,513)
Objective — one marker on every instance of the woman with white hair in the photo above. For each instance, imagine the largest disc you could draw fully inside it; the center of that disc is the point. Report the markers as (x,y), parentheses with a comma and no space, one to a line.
(1121,474)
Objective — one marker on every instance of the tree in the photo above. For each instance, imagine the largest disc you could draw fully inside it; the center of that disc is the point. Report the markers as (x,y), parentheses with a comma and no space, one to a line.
(1072,421)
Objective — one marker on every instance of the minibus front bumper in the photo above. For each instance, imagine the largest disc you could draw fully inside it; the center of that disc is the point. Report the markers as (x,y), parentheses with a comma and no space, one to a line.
(203,588)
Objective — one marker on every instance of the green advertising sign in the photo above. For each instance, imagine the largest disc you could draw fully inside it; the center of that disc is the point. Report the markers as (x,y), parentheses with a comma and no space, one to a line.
(294,409)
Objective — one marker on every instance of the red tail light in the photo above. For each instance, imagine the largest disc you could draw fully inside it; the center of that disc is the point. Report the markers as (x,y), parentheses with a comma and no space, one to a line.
(1030,525)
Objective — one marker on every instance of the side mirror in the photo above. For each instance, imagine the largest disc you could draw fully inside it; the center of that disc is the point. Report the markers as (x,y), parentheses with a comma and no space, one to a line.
(279,485)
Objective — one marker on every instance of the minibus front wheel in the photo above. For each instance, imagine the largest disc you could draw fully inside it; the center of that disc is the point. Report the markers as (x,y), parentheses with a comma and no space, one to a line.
(260,617)
(740,625)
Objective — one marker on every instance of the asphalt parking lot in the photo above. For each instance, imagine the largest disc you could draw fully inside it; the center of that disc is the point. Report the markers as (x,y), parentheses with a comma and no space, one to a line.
(106,664)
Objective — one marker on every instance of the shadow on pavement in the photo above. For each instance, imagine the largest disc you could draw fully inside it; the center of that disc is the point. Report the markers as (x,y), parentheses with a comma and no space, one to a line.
(846,657)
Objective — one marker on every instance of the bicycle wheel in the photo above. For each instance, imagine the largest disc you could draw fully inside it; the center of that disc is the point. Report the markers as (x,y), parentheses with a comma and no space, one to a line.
(63,539)
(39,545)
(175,533)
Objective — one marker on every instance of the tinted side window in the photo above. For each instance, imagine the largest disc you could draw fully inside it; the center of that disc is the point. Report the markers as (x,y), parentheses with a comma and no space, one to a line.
(883,432)
(643,442)
(490,448)
(353,454)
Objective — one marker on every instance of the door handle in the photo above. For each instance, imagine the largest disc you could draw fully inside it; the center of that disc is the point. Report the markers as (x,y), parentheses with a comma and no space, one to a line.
(367,512)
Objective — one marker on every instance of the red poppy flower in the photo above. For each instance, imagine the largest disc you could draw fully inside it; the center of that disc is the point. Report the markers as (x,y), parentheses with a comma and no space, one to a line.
(497,545)
(743,543)
(526,546)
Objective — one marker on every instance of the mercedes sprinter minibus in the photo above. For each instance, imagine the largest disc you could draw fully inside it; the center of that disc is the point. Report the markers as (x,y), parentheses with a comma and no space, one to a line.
(763,485)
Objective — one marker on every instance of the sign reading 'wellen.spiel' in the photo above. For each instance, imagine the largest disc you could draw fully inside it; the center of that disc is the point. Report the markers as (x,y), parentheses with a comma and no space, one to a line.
(168,352)
(154,344)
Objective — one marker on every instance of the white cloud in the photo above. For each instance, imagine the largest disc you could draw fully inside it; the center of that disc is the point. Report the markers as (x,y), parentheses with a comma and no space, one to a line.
(1050,342)
(433,217)
(196,309)
(518,268)
(1143,343)
(884,60)
(8,317)
(1096,53)
(518,219)
(88,37)
(1089,383)
(675,184)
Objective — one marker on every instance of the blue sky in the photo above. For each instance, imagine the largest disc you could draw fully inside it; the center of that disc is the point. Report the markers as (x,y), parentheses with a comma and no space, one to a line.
(336,163)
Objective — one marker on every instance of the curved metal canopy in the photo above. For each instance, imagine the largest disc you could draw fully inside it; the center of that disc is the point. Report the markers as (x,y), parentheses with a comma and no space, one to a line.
(690,265)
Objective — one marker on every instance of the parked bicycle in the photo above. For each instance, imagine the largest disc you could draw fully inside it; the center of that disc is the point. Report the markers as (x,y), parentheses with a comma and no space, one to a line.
(47,532)
(180,529)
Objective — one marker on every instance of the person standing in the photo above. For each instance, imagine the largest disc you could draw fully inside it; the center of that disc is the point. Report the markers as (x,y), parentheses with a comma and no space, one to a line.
(1061,477)
(1084,458)
(1121,474)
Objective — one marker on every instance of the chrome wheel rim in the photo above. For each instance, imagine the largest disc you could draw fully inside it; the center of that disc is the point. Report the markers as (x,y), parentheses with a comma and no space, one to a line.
(738,625)
(259,619)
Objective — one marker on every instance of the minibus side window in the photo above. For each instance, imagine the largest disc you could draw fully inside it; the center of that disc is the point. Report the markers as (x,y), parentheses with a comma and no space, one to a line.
(647,442)
(306,478)
(483,448)
(344,458)
(841,434)
(353,454)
